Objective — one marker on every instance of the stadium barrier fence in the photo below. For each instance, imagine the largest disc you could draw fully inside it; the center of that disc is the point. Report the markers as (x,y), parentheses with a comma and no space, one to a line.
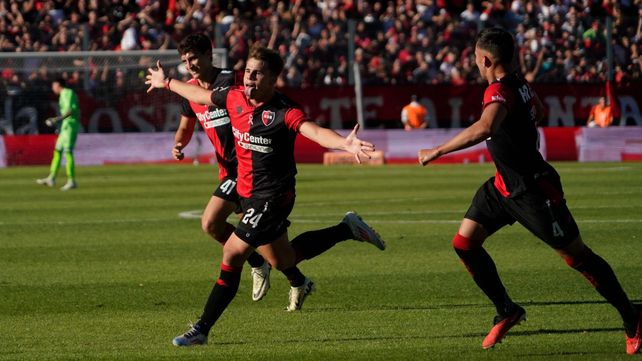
(614,144)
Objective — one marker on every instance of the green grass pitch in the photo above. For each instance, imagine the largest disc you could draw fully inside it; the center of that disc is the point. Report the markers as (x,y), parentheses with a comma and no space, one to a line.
(111,272)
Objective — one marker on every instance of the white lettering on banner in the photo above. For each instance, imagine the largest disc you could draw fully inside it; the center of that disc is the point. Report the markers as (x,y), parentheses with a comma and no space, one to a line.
(172,117)
(335,106)
(431,112)
(558,116)
(111,114)
(142,125)
(455,114)
(630,110)
(371,113)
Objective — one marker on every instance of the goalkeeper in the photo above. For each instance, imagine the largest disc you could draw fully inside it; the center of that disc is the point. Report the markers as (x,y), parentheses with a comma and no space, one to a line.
(70,117)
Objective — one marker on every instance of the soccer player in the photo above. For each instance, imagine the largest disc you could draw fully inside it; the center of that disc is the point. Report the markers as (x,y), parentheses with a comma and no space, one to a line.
(525,189)
(70,116)
(265,124)
(196,54)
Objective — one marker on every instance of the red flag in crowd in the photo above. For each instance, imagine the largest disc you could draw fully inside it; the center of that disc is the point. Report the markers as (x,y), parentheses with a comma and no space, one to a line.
(610,95)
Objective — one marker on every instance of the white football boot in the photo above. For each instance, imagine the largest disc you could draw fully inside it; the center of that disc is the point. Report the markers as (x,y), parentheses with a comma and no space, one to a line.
(260,281)
(298,295)
(362,231)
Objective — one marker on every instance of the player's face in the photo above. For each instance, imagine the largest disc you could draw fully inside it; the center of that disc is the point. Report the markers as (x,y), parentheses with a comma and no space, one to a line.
(258,76)
(56,87)
(197,64)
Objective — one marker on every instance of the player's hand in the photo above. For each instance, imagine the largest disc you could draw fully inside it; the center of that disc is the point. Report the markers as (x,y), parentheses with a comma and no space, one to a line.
(156,77)
(428,155)
(177,151)
(357,146)
(50,121)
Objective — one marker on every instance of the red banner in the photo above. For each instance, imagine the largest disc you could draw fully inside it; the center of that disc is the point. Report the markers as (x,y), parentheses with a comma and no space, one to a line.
(448,106)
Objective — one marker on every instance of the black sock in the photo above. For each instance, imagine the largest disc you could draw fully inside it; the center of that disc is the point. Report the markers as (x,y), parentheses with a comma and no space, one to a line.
(600,274)
(222,294)
(311,244)
(255,259)
(295,276)
(481,266)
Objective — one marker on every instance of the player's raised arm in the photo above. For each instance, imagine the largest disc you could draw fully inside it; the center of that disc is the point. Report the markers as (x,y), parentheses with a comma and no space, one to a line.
(330,139)
(490,120)
(157,79)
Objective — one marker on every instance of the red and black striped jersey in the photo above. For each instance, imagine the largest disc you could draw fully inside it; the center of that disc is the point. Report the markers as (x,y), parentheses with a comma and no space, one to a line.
(216,124)
(514,145)
(264,138)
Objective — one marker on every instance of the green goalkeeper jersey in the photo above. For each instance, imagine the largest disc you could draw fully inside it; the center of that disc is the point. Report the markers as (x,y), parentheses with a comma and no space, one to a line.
(68,102)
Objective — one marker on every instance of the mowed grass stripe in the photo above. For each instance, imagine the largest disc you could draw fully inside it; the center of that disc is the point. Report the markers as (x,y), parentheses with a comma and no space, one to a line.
(110,272)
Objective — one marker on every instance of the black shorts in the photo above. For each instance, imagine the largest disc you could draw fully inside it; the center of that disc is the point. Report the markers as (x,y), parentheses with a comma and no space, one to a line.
(265,219)
(541,209)
(227,190)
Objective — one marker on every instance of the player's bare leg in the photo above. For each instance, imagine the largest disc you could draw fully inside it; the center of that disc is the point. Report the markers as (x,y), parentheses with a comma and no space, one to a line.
(282,255)
(214,222)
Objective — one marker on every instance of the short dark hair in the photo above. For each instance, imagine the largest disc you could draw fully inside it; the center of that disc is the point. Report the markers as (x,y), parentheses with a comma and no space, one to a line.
(498,42)
(198,43)
(61,81)
(270,57)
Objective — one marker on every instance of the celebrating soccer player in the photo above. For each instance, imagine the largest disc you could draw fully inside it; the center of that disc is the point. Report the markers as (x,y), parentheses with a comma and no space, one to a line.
(196,54)
(525,189)
(265,124)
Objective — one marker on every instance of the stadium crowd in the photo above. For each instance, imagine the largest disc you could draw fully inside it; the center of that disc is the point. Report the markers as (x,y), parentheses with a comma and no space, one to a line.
(397,42)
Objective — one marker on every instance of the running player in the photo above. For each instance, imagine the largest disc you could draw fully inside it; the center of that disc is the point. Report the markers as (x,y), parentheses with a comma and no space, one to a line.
(265,124)
(70,116)
(525,189)
(196,54)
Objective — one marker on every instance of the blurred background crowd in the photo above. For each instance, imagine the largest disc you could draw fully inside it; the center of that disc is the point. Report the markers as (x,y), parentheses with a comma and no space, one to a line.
(397,42)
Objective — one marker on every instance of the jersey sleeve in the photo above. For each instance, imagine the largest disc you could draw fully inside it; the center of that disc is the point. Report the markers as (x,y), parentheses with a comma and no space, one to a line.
(294,117)
(186,109)
(219,96)
(498,93)
(225,78)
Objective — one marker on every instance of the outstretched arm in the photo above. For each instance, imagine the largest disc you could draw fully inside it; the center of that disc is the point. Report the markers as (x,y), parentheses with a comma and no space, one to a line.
(330,139)
(157,79)
(490,120)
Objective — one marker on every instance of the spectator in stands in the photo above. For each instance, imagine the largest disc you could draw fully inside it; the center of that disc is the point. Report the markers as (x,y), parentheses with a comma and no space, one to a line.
(413,115)
(400,41)
(601,114)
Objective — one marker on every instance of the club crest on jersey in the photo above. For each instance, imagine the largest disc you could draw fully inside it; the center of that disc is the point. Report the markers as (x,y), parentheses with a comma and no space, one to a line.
(268,117)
